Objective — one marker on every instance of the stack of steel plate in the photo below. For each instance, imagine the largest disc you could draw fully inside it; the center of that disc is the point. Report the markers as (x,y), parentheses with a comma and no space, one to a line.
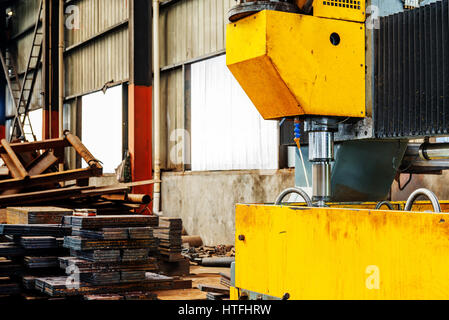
(225,280)
(109,255)
(132,276)
(98,255)
(32,250)
(83,244)
(169,234)
(52,230)
(72,263)
(100,222)
(217,296)
(102,234)
(101,277)
(67,286)
(41,262)
(124,296)
(43,242)
(140,233)
(36,215)
(135,254)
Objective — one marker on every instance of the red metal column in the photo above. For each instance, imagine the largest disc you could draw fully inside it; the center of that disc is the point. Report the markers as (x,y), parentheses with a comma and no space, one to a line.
(3,40)
(2,105)
(140,94)
(140,134)
(50,70)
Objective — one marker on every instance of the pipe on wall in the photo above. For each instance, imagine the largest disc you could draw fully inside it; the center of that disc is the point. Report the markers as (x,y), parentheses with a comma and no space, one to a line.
(61,75)
(157,110)
(61,67)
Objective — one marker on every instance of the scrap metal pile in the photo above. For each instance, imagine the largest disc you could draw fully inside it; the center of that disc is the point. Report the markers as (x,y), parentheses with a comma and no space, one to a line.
(33,175)
(211,255)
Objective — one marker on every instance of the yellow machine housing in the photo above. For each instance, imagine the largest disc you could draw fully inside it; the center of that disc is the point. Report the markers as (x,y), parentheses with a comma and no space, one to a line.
(351,10)
(288,66)
(334,253)
(291,65)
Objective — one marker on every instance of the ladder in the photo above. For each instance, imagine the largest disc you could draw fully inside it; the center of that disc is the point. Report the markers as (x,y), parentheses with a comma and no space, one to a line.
(13,86)
(22,93)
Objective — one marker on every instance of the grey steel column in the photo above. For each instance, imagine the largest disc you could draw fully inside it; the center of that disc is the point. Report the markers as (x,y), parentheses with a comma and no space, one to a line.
(321,154)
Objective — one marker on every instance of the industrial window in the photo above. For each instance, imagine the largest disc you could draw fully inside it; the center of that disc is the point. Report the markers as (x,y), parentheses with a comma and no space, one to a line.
(227,132)
(36,124)
(102,127)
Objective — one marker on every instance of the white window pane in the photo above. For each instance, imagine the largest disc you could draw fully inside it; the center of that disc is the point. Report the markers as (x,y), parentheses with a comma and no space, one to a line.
(36,124)
(102,127)
(228,133)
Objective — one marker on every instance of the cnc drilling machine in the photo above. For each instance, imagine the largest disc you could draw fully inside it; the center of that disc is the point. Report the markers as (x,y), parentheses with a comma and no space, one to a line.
(361,79)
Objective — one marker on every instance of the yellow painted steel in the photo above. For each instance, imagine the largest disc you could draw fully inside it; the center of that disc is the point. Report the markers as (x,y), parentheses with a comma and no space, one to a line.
(301,3)
(331,253)
(352,10)
(233,293)
(288,66)
(420,206)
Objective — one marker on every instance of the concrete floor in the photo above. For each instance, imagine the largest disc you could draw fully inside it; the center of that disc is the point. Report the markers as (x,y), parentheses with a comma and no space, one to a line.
(199,275)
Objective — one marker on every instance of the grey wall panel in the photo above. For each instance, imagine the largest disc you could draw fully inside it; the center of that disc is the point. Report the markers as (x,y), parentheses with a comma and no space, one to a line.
(92,66)
(87,67)
(95,17)
(173,125)
(105,59)
(25,12)
(191,29)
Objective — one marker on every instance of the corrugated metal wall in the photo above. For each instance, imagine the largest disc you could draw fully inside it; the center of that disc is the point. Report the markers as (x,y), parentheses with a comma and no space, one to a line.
(192,28)
(88,67)
(24,21)
(25,11)
(189,29)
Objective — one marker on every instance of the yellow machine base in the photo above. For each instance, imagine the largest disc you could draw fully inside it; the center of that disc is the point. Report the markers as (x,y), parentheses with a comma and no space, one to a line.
(330,253)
